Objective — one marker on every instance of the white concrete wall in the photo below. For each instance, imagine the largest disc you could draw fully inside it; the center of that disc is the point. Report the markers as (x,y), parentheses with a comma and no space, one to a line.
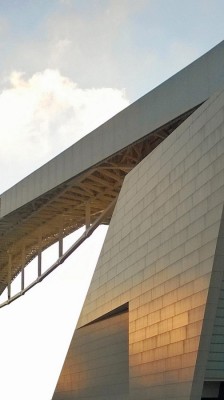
(159,257)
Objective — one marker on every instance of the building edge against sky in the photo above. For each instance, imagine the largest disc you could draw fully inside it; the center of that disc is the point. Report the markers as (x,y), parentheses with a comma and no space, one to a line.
(185,90)
(152,325)
(53,201)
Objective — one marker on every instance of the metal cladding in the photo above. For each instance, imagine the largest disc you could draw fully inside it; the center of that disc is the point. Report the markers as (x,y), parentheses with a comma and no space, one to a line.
(162,260)
(152,324)
(80,184)
(153,321)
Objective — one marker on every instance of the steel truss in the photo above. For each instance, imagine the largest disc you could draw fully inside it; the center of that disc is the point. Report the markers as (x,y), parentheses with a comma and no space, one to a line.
(89,229)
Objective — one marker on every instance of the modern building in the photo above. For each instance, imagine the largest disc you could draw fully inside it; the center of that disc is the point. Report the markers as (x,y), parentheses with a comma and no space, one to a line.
(152,325)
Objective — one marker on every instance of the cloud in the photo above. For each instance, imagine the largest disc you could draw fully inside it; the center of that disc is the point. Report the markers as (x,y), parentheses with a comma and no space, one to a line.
(110,43)
(93,43)
(101,41)
(44,114)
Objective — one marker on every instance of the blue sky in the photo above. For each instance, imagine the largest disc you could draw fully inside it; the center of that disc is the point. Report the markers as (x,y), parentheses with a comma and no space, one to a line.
(124,44)
(66,66)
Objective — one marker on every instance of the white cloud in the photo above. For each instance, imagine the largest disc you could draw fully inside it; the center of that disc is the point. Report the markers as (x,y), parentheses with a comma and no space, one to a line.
(44,114)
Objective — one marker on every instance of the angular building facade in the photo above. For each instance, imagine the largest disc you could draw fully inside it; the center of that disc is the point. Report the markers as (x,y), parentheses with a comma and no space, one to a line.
(152,325)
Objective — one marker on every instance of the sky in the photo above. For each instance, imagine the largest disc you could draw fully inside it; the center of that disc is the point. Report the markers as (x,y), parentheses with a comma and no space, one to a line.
(67,66)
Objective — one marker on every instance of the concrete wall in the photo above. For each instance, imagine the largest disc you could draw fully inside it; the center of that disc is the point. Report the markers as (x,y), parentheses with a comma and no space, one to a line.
(163,255)
(97,366)
(185,90)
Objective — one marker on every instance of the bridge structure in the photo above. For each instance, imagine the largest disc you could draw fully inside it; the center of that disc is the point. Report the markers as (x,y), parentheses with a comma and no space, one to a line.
(152,323)
(85,199)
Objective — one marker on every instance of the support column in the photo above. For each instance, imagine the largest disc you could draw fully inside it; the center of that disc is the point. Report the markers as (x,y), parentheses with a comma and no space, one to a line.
(9,275)
(23,266)
(87,215)
(60,242)
(39,267)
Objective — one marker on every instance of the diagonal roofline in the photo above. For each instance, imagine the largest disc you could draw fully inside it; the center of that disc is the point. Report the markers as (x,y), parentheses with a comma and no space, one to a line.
(77,187)
(185,90)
